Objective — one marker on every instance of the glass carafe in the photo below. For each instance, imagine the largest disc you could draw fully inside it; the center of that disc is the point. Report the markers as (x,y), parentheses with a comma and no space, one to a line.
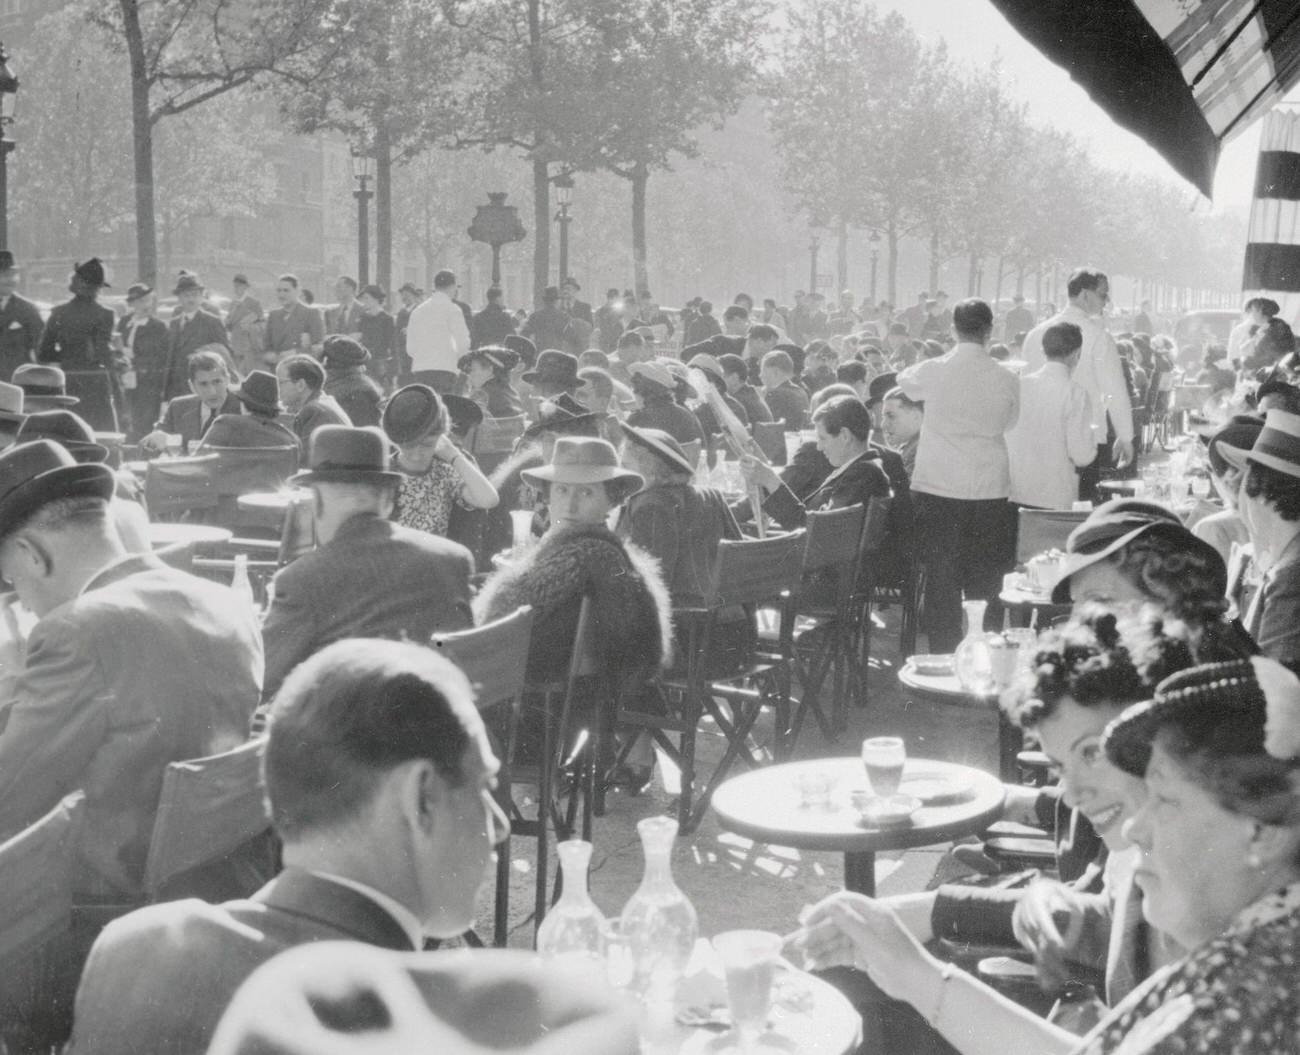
(972,661)
(658,920)
(573,926)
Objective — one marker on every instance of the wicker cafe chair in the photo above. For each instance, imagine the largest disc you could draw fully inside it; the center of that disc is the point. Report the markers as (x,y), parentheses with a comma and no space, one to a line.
(495,658)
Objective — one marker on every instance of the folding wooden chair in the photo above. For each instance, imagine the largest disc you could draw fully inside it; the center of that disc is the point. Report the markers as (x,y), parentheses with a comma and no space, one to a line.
(495,659)
(823,627)
(1038,530)
(247,470)
(175,486)
(874,529)
(748,573)
(210,811)
(38,961)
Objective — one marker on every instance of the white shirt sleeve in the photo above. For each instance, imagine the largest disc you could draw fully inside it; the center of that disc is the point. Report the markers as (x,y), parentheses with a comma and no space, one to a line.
(458,331)
(1079,442)
(418,337)
(1110,377)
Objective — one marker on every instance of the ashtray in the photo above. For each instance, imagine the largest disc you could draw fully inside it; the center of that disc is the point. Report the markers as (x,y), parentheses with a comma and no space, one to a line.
(935,666)
(884,811)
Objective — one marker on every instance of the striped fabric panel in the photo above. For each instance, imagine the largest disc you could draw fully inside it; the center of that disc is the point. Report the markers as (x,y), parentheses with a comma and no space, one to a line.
(1273,247)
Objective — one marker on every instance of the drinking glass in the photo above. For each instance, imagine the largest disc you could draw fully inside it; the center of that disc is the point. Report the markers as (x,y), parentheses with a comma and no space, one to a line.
(521,528)
(814,787)
(749,959)
(883,758)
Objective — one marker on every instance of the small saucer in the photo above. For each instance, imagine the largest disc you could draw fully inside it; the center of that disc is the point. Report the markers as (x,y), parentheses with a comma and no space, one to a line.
(885,812)
(935,666)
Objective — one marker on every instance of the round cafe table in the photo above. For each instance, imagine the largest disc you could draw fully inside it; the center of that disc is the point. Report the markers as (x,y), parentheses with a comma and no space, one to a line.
(808,1015)
(945,688)
(164,535)
(267,509)
(765,805)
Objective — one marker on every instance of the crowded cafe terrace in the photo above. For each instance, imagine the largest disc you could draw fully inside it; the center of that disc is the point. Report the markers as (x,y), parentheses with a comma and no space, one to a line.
(775,690)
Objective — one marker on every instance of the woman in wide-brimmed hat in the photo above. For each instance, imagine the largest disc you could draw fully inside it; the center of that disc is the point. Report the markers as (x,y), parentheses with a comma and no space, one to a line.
(488,369)
(580,557)
(436,474)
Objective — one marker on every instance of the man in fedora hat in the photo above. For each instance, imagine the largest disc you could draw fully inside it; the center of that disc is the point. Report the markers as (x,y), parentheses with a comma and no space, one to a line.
(347,380)
(1269,505)
(302,391)
(79,338)
(256,425)
(145,342)
(132,665)
(246,324)
(577,309)
(192,328)
(20,321)
(545,327)
(556,372)
(44,387)
(369,577)
(437,336)
(654,385)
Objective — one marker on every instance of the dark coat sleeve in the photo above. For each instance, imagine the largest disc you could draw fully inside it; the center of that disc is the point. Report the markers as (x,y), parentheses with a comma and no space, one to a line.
(289,632)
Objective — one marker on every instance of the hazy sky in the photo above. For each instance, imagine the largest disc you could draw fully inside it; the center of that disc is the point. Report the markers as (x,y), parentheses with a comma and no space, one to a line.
(975,32)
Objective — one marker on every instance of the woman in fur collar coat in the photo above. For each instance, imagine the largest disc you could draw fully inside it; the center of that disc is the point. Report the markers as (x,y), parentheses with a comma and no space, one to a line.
(579,556)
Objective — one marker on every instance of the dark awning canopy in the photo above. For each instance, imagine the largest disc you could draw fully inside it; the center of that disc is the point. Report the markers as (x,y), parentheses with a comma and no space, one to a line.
(1185,75)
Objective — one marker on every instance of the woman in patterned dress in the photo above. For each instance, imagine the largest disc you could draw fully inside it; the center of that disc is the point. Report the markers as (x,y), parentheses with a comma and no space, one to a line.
(436,474)
(1219,831)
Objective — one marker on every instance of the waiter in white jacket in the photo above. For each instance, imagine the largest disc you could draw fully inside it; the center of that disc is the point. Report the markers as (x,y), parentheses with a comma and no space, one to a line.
(437,336)
(1099,373)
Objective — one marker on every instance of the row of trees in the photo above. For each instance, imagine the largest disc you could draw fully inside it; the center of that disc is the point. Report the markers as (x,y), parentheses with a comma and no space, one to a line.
(852,124)
(877,129)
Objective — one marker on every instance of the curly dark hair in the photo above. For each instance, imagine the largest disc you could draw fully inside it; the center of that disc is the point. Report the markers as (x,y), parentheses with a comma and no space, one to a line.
(1188,582)
(1095,660)
(1279,490)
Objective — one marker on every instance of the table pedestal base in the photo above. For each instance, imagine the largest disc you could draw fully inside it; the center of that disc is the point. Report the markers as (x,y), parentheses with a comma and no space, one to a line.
(860,873)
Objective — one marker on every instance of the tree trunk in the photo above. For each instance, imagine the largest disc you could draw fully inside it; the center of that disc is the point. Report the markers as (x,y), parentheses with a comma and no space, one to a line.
(168,268)
(541,230)
(997,289)
(384,207)
(934,262)
(891,236)
(972,275)
(842,258)
(640,270)
(146,236)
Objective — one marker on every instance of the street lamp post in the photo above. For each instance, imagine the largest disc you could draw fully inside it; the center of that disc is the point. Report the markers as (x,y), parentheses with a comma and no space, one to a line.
(8,100)
(363,171)
(564,196)
(875,257)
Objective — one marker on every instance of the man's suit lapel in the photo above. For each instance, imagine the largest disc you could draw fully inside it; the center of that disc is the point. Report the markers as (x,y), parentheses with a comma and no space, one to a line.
(310,897)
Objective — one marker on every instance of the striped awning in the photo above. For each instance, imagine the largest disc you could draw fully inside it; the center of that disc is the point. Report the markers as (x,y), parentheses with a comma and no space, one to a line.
(1273,245)
(1185,75)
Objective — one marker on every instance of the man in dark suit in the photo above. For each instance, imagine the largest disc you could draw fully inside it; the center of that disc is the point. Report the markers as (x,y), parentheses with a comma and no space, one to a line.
(345,316)
(192,328)
(788,401)
(493,324)
(78,338)
(577,309)
(370,577)
(375,755)
(146,344)
(20,321)
(131,666)
(191,416)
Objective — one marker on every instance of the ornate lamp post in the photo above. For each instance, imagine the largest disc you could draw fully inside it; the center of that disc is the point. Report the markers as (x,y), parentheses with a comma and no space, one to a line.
(497,224)
(564,195)
(363,171)
(875,256)
(8,101)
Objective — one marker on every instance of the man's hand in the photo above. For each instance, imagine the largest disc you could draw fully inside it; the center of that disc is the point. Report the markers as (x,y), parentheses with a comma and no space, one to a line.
(1122,452)
(156,441)
(759,472)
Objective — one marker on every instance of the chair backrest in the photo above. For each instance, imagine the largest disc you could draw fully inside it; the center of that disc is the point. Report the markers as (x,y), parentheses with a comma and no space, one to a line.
(208,808)
(1039,530)
(298,531)
(751,571)
(770,437)
(833,537)
(175,485)
(497,435)
(36,876)
(244,470)
(493,656)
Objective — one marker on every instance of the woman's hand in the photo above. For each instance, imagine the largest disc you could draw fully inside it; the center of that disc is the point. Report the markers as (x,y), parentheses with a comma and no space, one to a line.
(759,473)
(446,451)
(1047,922)
(852,930)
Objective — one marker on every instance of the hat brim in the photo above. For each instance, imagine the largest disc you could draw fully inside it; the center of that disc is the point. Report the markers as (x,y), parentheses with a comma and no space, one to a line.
(1269,461)
(85,479)
(583,474)
(1076,562)
(34,403)
(652,445)
(345,476)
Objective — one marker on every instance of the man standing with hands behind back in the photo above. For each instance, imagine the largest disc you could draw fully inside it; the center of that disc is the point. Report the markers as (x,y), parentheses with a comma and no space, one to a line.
(1099,373)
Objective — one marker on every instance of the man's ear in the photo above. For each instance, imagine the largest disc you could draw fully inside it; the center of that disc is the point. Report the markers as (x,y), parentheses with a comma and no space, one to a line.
(420,789)
(33,554)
